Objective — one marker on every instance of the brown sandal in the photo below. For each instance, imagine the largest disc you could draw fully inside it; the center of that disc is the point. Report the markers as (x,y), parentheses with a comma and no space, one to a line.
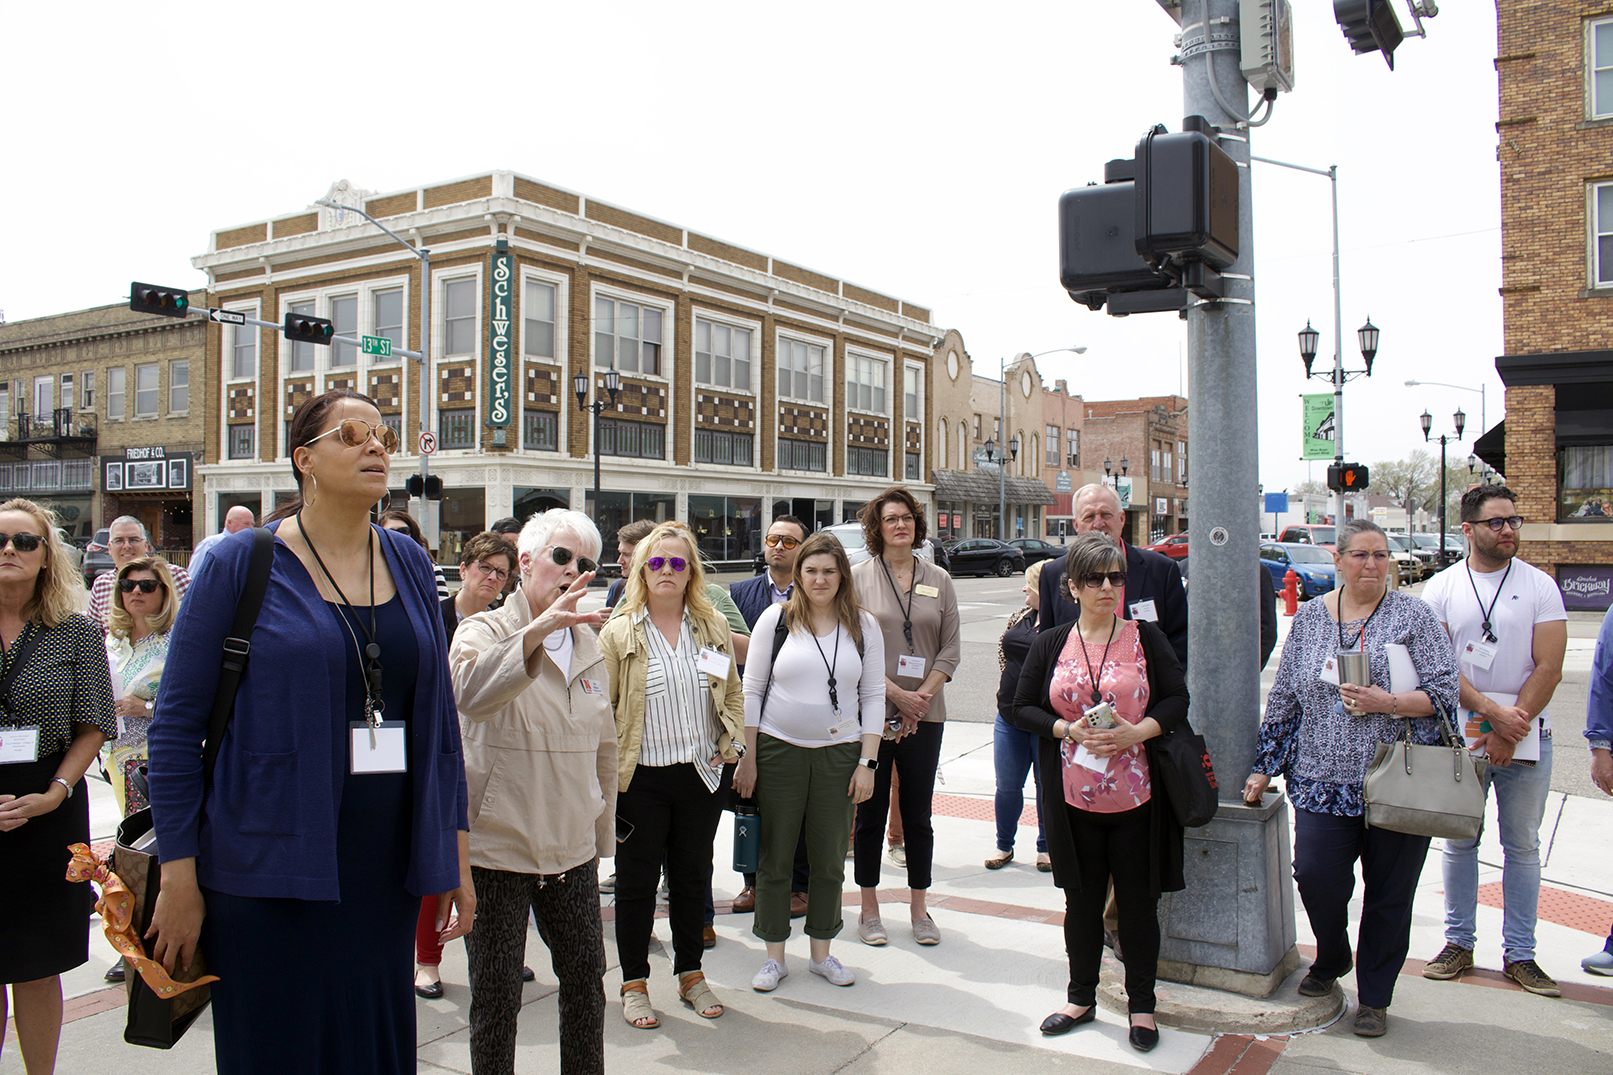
(636,1005)
(697,994)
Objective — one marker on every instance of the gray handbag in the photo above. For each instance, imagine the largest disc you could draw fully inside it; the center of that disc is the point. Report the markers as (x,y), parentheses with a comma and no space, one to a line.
(1426,790)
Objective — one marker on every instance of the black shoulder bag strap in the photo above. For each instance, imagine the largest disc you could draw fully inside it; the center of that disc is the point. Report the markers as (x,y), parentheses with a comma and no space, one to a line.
(780,633)
(21,651)
(237,646)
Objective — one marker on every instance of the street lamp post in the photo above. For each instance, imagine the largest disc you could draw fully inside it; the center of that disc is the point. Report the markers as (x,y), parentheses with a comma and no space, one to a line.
(1427,421)
(1483,422)
(613,385)
(1013,452)
(1367,337)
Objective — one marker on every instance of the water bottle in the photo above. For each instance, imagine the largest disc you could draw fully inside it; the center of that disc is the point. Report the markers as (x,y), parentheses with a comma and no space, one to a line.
(747,838)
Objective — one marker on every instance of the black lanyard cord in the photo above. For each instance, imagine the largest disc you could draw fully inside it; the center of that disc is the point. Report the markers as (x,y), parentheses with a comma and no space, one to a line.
(834,695)
(373,702)
(1489,634)
(1097,695)
(1363,632)
(907,612)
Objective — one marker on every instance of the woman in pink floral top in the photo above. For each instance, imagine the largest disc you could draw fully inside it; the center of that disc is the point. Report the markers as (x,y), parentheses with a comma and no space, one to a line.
(1099,692)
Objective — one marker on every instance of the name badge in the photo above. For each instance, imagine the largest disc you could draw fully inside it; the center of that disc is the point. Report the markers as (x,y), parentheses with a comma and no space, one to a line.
(909,665)
(714,661)
(837,727)
(1480,655)
(1144,610)
(592,686)
(1330,671)
(381,749)
(927,591)
(19,744)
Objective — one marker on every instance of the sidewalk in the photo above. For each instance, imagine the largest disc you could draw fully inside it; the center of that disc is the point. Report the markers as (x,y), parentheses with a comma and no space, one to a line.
(975,1001)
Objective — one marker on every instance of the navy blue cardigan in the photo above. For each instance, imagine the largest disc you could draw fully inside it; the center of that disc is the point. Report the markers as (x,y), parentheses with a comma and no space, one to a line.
(268,827)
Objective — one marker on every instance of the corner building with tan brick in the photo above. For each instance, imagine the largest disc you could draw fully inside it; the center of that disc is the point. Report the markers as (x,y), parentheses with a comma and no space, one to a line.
(750,386)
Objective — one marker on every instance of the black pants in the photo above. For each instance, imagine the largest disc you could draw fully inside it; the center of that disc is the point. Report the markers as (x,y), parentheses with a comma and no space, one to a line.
(1112,846)
(800,876)
(567,911)
(916,757)
(1325,849)
(672,818)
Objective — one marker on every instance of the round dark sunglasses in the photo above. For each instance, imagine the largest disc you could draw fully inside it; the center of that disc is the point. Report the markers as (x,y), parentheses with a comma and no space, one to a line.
(562,556)
(144,585)
(23,542)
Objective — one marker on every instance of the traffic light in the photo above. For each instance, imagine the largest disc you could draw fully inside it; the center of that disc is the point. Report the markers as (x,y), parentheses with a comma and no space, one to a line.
(431,488)
(1347,478)
(306,328)
(162,301)
(1370,26)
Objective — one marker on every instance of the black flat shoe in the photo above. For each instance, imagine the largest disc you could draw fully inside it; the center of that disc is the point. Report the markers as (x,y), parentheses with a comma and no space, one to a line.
(429,992)
(1143,1038)
(1059,1023)
(527,975)
(114,973)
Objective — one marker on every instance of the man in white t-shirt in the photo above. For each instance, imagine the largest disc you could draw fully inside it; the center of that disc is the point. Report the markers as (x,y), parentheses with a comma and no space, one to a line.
(1509,629)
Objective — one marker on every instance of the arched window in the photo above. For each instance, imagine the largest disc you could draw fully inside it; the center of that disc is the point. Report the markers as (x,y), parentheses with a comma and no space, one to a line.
(941,441)
(963,445)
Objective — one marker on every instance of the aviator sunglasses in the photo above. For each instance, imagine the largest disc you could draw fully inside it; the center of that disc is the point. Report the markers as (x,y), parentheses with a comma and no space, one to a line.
(23,542)
(144,585)
(656,563)
(775,540)
(562,556)
(355,433)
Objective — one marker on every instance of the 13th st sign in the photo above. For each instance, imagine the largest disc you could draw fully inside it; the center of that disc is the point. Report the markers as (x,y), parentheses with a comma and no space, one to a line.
(498,373)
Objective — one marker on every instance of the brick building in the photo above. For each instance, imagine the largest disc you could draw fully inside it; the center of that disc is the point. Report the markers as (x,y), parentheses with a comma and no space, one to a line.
(99,420)
(1554,147)
(1143,441)
(751,386)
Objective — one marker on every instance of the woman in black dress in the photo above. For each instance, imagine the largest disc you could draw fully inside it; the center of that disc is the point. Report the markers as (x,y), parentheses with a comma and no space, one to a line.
(54,715)
(339,789)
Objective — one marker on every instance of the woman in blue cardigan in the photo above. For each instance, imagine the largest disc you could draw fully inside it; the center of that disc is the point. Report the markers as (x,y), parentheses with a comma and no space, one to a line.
(338,796)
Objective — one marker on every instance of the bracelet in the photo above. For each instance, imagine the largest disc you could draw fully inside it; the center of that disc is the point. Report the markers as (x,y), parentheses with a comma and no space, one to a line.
(1394,704)
(64,784)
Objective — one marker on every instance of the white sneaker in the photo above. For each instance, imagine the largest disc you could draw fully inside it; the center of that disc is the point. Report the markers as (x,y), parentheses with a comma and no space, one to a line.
(831,969)
(767,979)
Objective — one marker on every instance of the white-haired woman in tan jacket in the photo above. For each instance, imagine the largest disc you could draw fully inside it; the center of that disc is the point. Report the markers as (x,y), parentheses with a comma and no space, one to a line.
(540,771)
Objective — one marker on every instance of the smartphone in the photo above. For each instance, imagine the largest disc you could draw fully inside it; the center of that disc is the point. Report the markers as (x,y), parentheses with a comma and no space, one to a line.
(1100,716)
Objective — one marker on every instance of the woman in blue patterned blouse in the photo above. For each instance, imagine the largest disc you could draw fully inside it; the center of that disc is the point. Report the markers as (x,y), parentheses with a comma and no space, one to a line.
(1322,750)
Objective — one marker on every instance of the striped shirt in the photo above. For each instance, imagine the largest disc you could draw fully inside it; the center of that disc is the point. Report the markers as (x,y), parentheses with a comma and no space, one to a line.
(678,720)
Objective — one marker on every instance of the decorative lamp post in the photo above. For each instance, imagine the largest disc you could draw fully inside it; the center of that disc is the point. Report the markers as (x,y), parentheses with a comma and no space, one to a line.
(991,454)
(1367,336)
(1426,420)
(613,385)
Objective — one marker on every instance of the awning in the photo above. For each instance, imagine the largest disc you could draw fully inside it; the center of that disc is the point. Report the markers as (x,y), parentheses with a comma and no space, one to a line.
(1492,447)
(980,487)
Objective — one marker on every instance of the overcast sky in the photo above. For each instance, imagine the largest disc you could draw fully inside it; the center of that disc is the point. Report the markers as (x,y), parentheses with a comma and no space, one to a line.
(917,149)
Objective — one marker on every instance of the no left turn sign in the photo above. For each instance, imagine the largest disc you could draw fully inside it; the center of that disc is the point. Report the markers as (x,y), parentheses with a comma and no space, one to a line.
(428,443)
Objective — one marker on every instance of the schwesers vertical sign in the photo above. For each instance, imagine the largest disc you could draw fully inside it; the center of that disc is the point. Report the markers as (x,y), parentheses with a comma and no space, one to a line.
(499,365)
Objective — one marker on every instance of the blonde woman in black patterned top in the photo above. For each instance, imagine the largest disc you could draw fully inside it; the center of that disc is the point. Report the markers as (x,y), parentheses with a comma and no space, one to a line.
(53,719)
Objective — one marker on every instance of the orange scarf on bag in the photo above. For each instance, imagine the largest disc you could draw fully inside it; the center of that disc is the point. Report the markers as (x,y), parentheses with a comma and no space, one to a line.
(116,908)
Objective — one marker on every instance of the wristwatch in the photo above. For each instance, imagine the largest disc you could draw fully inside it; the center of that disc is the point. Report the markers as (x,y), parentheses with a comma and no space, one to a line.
(869,763)
(63,783)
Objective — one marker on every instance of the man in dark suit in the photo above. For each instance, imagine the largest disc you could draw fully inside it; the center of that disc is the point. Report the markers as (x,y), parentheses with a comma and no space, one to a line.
(1153,582)
(781,546)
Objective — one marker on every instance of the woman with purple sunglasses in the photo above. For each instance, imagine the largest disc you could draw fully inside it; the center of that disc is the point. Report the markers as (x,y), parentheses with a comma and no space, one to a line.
(680,717)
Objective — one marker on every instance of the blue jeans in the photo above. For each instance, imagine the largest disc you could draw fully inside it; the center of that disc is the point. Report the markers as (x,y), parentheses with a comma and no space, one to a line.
(1014,752)
(1520,798)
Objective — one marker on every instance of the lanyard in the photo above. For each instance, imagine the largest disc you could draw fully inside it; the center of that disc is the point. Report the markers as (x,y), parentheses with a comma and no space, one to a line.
(907,612)
(1363,633)
(1097,695)
(1489,635)
(834,695)
(374,704)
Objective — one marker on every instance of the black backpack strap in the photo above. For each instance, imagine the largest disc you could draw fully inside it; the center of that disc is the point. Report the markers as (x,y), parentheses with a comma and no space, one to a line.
(22,649)
(780,633)
(237,646)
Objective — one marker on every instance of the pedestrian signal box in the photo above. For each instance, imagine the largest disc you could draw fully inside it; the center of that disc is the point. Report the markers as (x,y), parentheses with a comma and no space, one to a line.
(1347,478)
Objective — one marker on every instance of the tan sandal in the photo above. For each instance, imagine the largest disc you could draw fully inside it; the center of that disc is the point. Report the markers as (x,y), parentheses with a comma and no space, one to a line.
(636,1005)
(697,994)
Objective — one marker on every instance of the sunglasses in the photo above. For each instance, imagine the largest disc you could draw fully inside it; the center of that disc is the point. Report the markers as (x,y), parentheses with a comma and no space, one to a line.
(1117,579)
(144,585)
(775,540)
(562,556)
(1516,522)
(22,542)
(355,433)
(656,563)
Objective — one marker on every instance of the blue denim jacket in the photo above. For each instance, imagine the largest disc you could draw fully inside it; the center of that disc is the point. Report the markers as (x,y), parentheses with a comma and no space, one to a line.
(1599,711)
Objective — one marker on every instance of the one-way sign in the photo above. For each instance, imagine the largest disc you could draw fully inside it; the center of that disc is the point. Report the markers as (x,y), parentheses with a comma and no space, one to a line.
(225,317)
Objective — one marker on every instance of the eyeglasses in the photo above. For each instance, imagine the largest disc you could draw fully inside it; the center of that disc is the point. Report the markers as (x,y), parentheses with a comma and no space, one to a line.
(905,520)
(22,542)
(356,432)
(775,540)
(562,556)
(144,585)
(488,569)
(656,563)
(1117,579)
(1516,522)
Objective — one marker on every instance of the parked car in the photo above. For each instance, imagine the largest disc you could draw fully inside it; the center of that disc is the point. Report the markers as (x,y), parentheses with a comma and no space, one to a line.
(850,536)
(97,554)
(1454,548)
(1035,549)
(1419,563)
(938,554)
(74,553)
(1174,546)
(1309,534)
(1313,565)
(984,556)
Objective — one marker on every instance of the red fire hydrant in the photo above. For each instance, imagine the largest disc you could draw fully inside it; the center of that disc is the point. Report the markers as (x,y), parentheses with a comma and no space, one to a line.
(1290,593)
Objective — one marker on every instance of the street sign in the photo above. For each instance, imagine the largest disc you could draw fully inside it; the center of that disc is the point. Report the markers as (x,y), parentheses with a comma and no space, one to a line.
(225,317)
(377,345)
(1061,484)
(428,443)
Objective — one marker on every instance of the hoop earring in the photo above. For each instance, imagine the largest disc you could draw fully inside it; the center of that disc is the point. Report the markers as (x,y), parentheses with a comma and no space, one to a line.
(309,500)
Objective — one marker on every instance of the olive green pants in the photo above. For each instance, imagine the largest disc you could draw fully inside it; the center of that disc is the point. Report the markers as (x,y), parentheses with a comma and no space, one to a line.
(795,784)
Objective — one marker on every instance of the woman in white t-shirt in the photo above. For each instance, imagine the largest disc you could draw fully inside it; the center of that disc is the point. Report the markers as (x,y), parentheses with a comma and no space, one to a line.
(814,715)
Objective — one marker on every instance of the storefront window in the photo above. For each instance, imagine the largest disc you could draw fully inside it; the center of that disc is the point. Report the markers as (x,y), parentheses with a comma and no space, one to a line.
(530,501)
(463,516)
(728,528)
(618,509)
(1585,482)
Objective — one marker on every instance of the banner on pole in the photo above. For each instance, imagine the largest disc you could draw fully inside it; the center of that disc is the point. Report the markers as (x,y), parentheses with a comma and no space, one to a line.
(1317,423)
